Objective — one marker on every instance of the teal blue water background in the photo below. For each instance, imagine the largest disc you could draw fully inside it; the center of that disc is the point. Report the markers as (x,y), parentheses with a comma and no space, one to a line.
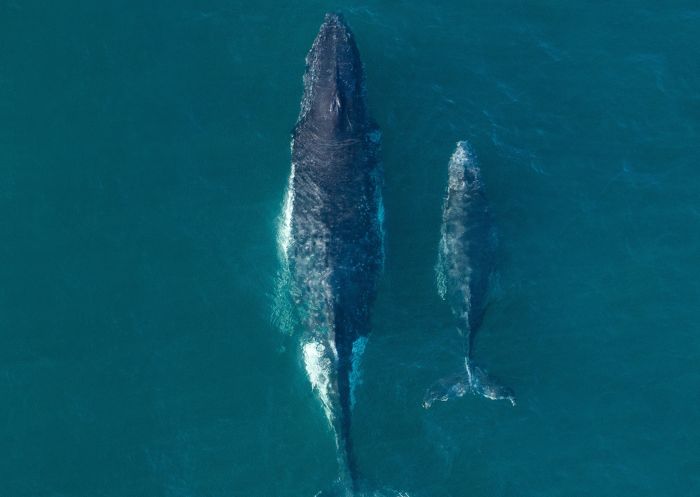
(144,151)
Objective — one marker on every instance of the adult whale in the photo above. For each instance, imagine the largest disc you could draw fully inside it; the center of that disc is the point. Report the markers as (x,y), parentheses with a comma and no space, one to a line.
(332,235)
(464,269)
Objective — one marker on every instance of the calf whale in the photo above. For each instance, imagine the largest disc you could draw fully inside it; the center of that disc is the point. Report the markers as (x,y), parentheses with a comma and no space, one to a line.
(464,270)
(331,230)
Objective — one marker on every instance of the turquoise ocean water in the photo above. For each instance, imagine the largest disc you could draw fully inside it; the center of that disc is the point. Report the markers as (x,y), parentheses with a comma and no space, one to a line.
(144,152)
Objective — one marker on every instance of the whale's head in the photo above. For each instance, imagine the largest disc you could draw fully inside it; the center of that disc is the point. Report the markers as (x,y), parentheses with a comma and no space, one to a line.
(334,80)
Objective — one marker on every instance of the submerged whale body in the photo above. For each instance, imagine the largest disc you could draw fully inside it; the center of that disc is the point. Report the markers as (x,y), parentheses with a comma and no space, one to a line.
(332,236)
(464,269)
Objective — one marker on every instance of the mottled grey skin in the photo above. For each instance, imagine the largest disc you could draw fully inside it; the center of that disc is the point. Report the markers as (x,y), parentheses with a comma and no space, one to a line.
(464,269)
(336,252)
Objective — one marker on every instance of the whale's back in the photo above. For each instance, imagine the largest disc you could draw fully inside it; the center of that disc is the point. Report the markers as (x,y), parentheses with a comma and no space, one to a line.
(468,239)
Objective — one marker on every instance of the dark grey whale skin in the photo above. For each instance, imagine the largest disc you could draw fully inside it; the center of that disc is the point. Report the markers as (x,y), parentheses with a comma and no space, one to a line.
(336,249)
(466,261)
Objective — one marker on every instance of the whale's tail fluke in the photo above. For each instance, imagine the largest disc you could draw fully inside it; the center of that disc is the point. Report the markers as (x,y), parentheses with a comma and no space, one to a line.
(472,380)
(348,484)
(343,486)
(337,491)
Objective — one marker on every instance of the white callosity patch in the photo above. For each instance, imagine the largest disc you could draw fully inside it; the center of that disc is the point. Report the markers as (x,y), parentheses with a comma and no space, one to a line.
(318,368)
(358,350)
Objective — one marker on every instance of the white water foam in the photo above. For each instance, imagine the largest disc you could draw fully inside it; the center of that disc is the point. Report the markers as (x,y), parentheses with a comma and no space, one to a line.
(379,200)
(318,369)
(388,492)
(283,314)
(440,269)
(284,227)
(463,161)
(358,350)
(375,137)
